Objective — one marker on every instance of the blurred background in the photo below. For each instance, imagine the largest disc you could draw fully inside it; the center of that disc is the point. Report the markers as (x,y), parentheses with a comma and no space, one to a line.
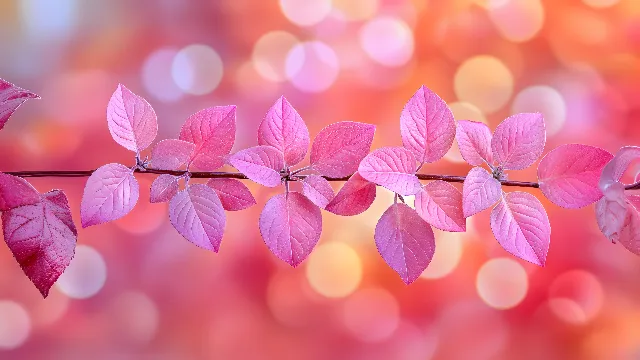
(138,290)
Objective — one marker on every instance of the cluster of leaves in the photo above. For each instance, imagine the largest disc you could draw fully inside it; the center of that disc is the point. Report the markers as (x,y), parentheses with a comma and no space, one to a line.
(39,230)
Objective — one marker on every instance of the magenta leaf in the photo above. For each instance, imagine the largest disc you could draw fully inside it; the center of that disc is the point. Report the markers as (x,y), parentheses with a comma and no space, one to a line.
(405,241)
(111,193)
(213,131)
(356,196)
(613,171)
(393,168)
(16,191)
(290,225)
(132,121)
(630,233)
(427,126)
(42,238)
(318,190)
(569,174)
(522,227)
(170,154)
(338,149)
(261,164)
(612,211)
(440,204)
(233,194)
(474,142)
(479,191)
(519,141)
(163,188)
(197,213)
(283,129)
(11,97)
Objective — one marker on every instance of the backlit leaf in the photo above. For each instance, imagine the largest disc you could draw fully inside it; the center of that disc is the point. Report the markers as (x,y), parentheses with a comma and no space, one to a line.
(338,149)
(283,129)
(519,141)
(440,204)
(393,168)
(213,131)
(479,191)
(132,121)
(261,164)
(11,97)
(233,194)
(355,196)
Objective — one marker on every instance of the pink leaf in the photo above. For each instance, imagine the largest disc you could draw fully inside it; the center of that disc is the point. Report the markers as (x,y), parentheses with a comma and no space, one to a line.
(132,121)
(393,168)
(163,188)
(427,126)
(440,204)
(318,190)
(613,171)
(339,148)
(519,141)
(612,211)
(630,233)
(170,154)
(213,131)
(522,227)
(42,238)
(290,225)
(261,164)
(11,97)
(479,191)
(474,142)
(569,174)
(16,191)
(356,196)
(285,130)
(405,241)
(111,193)
(197,213)
(233,194)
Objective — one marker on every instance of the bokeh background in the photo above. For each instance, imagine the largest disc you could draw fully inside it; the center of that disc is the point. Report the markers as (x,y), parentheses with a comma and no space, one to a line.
(137,290)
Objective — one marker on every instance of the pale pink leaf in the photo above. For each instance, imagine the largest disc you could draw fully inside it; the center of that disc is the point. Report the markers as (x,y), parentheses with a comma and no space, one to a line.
(611,211)
(440,204)
(519,141)
(163,188)
(261,164)
(110,193)
(474,142)
(318,190)
(338,149)
(521,226)
(170,154)
(284,129)
(197,214)
(290,225)
(613,171)
(479,191)
(16,191)
(233,194)
(630,233)
(427,126)
(132,121)
(569,174)
(405,241)
(355,196)
(393,168)
(42,238)
(11,97)
(213,131)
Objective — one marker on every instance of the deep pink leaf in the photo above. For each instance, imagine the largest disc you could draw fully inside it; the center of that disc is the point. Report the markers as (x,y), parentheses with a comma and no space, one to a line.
(440,204)
(11,97)
(393,168)
(16,191)
(474,142)
(132,121)
(111,193)
(338,149)
(42,238)
(163,188)
(290,225)
(170,154)
(479,191)
(285,130)
(521,226)
(318,190)
(612,211)
(614,170)
(569,174)
(213,131)
(261,164)
(197,213)
(233,194)
(405,241)
(630,233)
(356,196)
(427,126)
(519,141)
